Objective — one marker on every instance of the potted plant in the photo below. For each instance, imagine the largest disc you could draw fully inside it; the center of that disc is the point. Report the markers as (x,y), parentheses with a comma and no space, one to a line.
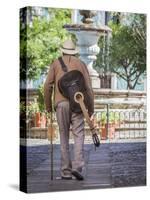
(33,112)
(22,119)
(112,123)
(41,106)
(102,120)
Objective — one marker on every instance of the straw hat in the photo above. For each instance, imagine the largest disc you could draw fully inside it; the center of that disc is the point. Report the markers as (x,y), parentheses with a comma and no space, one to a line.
(69,47)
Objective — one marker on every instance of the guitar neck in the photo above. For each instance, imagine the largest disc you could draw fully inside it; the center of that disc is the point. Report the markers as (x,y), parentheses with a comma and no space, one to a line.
(85,113)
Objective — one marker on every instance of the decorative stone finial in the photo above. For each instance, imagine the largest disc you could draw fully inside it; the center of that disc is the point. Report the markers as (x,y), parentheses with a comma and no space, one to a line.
(87,16)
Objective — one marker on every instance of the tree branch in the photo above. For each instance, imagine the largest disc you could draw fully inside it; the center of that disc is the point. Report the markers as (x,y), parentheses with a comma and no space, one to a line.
(137,77)
(120,75)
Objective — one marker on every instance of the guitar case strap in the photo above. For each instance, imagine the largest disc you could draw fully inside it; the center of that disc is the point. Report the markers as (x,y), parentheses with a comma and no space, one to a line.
(63,66)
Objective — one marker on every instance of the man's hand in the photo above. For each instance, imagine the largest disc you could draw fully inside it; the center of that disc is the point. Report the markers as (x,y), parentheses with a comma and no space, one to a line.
(93,120)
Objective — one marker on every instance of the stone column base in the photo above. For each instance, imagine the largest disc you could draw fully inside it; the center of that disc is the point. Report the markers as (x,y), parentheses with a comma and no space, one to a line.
(95,80)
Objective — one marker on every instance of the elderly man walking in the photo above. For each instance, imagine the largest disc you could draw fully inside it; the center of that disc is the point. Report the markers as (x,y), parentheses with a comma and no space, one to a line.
(66,118)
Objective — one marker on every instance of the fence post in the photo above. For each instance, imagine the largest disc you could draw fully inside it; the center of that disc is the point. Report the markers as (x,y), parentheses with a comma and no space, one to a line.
(107,120)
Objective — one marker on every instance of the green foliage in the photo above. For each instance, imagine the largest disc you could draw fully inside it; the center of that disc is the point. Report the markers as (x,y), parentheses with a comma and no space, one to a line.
(114,117)
(103,118)
(22,107)
(40,99)
(40,42)
(29,108)
(127,49)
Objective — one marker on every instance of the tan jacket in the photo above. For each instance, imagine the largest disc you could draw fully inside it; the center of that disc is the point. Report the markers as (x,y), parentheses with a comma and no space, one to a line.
(56,72)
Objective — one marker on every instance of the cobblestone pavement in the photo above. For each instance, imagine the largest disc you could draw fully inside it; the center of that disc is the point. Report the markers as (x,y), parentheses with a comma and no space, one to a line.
(111,165)
(128,164)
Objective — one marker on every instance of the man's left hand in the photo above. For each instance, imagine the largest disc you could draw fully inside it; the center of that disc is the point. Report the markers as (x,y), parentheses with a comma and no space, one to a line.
(93,120)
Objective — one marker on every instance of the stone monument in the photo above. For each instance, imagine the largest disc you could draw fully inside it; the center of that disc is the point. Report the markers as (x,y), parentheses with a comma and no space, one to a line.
(87,35)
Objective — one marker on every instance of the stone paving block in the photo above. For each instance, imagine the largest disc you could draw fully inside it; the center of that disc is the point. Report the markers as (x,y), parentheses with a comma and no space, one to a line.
(111,165)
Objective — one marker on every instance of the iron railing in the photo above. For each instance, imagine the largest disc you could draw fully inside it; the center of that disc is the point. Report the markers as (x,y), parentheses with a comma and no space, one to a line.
(121,124)
(111,124)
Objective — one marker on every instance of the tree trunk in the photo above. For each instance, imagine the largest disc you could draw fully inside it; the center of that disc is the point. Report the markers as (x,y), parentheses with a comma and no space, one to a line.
(129,85)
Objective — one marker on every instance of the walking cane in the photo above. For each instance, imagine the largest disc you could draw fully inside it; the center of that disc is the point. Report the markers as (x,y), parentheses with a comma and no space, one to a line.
(50,137)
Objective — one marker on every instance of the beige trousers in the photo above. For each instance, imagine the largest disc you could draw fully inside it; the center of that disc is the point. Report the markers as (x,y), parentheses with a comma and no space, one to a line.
(65,118)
